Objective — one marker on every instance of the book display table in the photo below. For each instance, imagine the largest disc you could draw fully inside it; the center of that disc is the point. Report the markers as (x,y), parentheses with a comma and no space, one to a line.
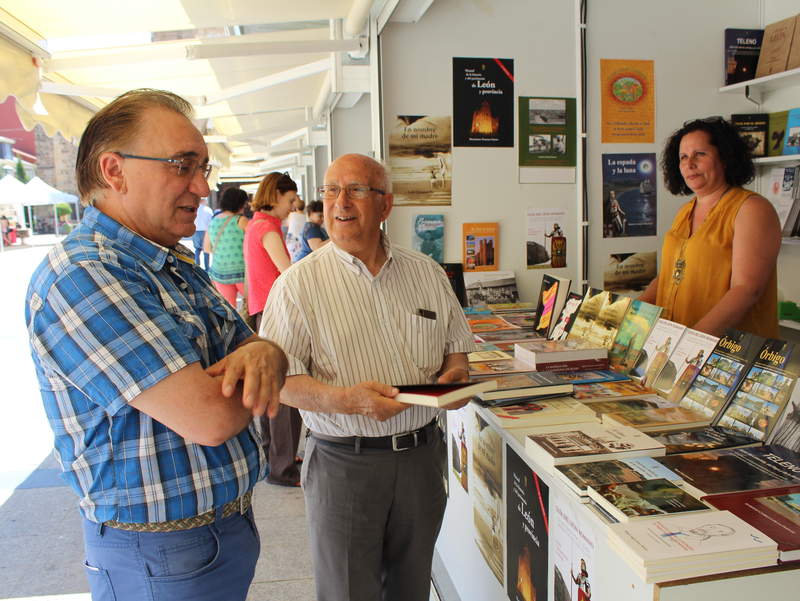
(513,530)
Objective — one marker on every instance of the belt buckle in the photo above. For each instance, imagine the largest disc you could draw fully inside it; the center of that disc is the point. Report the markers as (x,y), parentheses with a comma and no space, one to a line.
(396,437)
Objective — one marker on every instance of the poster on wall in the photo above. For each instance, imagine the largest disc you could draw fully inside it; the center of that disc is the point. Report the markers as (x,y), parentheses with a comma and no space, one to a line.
(546,132)
(428,236)
(483,102)
(629,195)
(627,100)
(545,243)
(527,530)
(574,553)
(628,273)
(421,160)
(487,494)
(481,246)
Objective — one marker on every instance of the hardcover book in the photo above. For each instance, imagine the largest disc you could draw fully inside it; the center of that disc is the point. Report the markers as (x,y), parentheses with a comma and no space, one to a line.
(656,350)
(752,128)
(734,470)
(455,275)
(707,439)
(496,368)
(481,246)
(644,498)
(684,364)
(791,143)
(691,545)
(634,330)
(552,296)
(543,354)
(488,355)
(599,317)
(489,324)
(593,376)
(589,442)
(439,395)
(649,414)
(775,47)
(776,132)
(528,383)
(487,287)
(603,391)
(567,318)
(742,47)
(722,372)
(775,512)
(580,476)
(764,392)
(528,414)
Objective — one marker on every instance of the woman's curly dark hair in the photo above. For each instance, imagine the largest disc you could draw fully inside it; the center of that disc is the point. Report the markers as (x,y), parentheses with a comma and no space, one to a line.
(733,152)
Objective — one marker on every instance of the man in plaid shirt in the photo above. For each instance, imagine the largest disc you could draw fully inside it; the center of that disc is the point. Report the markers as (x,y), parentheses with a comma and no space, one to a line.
(149,379)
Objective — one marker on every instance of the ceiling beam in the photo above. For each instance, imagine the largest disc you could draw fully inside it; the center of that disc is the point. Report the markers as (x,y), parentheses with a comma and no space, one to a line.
(227,49)
(268,81)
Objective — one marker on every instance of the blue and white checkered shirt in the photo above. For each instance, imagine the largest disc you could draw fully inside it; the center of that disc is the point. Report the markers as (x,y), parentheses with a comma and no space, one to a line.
(110,314)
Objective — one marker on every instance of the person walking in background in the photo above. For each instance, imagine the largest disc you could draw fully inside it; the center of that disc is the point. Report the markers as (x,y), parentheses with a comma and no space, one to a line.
(266,256)
(139,361)
(224,242)
(201,222)
(314,235)
(294,228)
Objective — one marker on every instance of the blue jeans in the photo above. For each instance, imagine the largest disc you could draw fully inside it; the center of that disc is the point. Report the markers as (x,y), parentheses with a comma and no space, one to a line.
(209,563)
(197,241)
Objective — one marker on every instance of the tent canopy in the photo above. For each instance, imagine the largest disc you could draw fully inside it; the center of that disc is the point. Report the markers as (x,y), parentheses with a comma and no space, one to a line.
(38,192)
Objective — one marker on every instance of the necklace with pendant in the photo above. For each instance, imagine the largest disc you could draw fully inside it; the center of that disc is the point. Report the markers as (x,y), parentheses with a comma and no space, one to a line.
(680,263)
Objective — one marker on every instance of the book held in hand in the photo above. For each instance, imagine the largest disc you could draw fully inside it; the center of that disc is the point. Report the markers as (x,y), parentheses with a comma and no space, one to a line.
(644,498)
(439,395)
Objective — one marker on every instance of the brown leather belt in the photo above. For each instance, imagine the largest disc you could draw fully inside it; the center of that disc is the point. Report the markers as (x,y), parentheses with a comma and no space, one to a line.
(240,505)
(394,442)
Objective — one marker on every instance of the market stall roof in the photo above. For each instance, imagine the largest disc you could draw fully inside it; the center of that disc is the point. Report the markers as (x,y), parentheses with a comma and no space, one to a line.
(39,192)
(261,75)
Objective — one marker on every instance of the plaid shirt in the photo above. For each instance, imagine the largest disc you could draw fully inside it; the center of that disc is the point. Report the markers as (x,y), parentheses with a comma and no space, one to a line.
(109,315)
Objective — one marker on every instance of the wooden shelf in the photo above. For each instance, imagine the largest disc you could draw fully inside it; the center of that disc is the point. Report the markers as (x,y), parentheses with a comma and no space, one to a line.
(777,160)
(788,323)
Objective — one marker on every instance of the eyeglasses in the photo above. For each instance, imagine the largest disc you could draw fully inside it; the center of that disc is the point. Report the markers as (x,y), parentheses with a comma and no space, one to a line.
(184,166)
(357,191)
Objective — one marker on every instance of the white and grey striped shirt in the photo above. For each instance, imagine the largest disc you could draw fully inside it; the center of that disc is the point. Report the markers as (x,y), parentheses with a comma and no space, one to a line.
(340,325)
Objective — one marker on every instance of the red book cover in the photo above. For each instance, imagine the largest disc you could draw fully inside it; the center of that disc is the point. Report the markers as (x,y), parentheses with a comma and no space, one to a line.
(774,511)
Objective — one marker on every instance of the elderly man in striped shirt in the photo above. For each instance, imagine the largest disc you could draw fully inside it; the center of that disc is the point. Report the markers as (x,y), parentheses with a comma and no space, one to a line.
(356,318)
(130,340)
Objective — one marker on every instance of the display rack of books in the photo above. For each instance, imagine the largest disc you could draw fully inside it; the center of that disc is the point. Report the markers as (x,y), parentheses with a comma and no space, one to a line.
(637,479)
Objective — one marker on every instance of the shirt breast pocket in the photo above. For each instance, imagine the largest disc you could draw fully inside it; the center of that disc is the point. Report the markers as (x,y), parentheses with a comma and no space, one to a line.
(426,341)
(191,326)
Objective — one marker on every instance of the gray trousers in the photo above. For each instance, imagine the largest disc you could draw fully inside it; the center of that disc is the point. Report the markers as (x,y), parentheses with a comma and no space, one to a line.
(373,518)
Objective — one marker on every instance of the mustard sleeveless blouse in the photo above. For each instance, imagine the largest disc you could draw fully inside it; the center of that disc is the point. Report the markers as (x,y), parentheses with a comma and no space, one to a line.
(707,271)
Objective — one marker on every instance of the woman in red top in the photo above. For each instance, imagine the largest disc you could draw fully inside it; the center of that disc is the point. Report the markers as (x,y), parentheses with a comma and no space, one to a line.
(265,257)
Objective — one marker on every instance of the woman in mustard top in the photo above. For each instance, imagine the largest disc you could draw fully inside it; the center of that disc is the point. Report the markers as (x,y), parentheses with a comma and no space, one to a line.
(718,258)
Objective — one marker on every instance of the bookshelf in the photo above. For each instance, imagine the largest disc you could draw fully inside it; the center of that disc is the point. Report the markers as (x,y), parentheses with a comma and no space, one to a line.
(777,160)
(757,89)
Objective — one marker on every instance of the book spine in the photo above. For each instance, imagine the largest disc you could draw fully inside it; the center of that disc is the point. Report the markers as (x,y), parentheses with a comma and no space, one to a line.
(570,366)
